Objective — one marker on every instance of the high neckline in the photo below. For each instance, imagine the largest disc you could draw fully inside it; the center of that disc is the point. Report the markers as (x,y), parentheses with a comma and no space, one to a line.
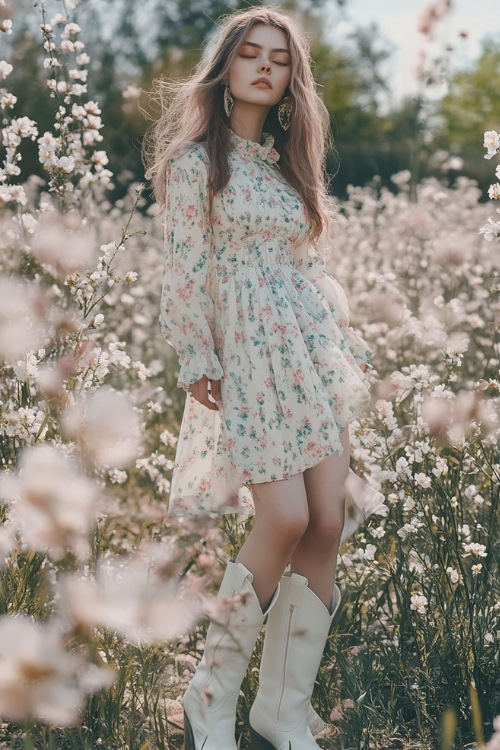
(264,151)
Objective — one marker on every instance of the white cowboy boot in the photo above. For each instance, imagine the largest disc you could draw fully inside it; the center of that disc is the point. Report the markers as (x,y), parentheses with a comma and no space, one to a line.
(296,633)
(210,700)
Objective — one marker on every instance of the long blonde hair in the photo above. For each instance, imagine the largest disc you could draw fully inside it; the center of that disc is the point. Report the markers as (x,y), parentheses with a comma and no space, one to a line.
(193,110)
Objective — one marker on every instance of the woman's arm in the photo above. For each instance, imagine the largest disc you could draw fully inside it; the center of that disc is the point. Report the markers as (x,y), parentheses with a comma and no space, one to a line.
(187,310)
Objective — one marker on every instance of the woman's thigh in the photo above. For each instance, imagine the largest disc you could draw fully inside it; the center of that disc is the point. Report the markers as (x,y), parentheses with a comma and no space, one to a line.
(324,485)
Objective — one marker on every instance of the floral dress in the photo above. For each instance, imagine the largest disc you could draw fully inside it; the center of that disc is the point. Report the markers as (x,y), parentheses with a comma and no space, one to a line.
(246,300)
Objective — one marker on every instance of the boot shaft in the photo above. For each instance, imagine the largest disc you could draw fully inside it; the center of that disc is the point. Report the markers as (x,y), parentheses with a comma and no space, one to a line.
(296,633)
(210,700)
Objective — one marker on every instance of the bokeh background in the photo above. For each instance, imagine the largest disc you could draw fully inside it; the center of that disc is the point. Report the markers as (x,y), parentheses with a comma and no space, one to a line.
(402,88)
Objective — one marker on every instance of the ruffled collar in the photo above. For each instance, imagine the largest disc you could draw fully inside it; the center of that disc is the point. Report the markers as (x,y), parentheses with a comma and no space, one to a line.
(264,151)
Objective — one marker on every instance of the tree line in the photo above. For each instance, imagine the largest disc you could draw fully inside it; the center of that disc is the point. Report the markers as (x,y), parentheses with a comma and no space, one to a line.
(131,43)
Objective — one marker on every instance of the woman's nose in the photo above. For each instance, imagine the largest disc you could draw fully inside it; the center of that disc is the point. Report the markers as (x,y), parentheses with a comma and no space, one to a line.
(265,66)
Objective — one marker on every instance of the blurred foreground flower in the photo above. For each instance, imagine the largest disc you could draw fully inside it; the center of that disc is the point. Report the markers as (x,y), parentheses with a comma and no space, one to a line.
(38,678)
(130,599)
(107,427)
(52,504)
(64,243)
(456,417)
(22,326)
(494,743)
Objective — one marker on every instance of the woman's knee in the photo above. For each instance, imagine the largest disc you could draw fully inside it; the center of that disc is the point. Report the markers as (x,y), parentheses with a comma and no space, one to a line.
(295,525)
(289,527)
(282,507)
(326,531)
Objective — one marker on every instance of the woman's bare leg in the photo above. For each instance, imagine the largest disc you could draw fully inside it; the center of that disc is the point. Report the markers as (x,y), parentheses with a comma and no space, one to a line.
(315,556)
(281,518)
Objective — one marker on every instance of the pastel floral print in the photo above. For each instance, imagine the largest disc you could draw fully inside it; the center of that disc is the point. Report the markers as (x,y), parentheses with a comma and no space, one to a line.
(247,301)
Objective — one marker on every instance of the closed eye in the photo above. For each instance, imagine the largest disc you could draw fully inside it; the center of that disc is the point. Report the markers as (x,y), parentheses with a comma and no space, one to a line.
(276,62)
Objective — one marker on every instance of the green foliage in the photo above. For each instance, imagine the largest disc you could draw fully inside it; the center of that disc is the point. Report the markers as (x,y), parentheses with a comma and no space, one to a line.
(131,44)
(471,107)
(350,83)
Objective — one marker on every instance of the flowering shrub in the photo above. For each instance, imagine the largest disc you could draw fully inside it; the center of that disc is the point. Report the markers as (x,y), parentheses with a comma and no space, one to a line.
(92,577)
(420,629)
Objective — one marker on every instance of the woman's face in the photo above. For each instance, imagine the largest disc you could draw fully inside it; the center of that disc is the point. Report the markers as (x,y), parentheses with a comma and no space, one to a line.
(262,68)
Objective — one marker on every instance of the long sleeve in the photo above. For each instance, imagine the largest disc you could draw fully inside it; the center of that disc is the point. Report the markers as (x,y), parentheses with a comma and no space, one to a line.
(187,310)
(314,268)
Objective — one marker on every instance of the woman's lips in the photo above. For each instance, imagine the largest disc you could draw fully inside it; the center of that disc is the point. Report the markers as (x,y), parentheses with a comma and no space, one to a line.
(262,83)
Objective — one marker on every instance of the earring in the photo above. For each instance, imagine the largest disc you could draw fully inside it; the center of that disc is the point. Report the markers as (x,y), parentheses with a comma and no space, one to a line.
(285,111)
(228,100)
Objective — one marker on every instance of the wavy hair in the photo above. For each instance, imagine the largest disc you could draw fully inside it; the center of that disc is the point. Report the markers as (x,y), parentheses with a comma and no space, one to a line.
(193,110)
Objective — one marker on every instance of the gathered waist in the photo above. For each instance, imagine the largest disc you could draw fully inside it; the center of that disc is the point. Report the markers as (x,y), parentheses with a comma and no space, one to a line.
(254,254)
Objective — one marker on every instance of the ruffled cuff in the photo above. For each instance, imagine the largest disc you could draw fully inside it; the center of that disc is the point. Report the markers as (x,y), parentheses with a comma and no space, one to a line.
(193,366)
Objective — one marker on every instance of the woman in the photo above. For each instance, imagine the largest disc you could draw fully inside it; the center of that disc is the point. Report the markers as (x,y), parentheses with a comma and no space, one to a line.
(273,372)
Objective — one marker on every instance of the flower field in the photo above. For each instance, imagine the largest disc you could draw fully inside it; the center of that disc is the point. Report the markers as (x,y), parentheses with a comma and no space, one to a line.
(102,596)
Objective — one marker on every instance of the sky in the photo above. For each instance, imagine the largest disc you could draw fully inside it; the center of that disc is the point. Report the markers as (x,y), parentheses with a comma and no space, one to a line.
(397,20)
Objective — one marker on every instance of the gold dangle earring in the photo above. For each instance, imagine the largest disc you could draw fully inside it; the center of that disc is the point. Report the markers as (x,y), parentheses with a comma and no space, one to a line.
(285,111)
(228,100)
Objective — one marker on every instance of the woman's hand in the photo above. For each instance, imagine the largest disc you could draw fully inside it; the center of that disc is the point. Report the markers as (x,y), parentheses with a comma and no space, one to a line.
(206,392)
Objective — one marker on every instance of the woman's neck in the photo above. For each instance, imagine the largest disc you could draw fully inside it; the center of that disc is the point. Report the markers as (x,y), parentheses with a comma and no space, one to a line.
(248,121)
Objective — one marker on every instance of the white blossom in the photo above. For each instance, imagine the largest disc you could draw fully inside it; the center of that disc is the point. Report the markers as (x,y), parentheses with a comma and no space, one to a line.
(117,355)
(13,194)
(441,467)
(5,69)
(494,191)
(492,143)
(422,480)
(419,603)
(7,100)
(100,158)
(51,62)
(58,19)
(82,58)
(409,504)
(474,548)
(71,29)
(97,320)
(455,575)
(117,476)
